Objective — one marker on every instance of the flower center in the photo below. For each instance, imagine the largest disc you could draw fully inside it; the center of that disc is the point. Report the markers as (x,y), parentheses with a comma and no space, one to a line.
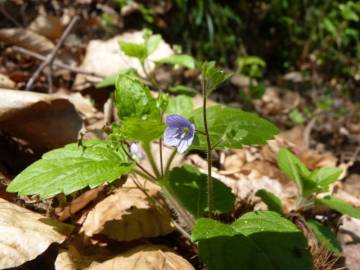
(184,131)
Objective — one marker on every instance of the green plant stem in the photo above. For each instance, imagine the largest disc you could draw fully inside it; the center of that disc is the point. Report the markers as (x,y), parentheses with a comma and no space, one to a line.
(149,175)
(151,78)
(209,157)
(161,209)
(147,150)
(170,160)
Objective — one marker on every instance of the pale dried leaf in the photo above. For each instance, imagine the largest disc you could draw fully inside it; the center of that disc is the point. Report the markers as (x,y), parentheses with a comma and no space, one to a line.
(6,82)
(106,58)
(147,257)
(24,234)
(127,215)
(26,39)
(77,204)
(37,118)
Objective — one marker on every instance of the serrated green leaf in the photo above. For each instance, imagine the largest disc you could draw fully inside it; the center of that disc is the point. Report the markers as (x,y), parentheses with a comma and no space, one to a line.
(72,168)
(296,117)
(133,99)
(187,182)
(294,169)
(182,60)
(181,104)
(256,241)
(137,50)
(325,176)
(339,205)
(142,130)
(182,90)
(325,236)
(271,200)
(249,128)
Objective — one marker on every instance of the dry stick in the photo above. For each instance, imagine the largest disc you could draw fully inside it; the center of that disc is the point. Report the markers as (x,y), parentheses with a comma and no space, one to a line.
(57,63)
(51,56)
(209,157)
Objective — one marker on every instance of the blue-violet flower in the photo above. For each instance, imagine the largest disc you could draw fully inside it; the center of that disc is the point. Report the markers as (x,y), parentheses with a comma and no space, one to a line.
(179,133)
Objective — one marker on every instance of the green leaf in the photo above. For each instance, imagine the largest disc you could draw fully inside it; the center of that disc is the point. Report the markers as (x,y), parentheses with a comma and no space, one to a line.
(256,241)
(152,43)
(221,247)
(111,79)
(325,236)
(182,60)
(245,128)
(339,205)
(294,169)
(182,90)
(181,104)
(325,176)
(296,117)
(133,99)
(187,182)
(142,130)
(137,50)
(213,75)
(257,91)
(271,200)
(252,66)
(278,238)
(72,168)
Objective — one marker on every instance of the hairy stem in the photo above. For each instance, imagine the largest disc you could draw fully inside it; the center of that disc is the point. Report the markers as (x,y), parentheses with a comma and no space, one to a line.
(151,78)
(170,160)
(149,175)
(147,150)
(209,157)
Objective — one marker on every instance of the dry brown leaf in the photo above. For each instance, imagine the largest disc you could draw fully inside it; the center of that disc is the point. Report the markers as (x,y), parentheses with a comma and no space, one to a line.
(106,58)
(275,101)
(26,39)
(77,204)
(47,26)
(24,234)
(147,257)
(37,118)
(127,215)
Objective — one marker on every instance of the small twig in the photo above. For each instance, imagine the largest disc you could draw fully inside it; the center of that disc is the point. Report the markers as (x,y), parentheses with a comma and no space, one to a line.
(57,63)
(51,56)
(8,16)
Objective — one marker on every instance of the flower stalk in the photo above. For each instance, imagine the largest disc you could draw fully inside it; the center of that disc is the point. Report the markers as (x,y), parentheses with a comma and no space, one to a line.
(209,156)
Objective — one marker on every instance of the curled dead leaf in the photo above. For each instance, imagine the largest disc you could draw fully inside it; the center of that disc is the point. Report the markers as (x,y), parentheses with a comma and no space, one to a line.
(37,118)
(47,26)
(147,257)
(127,215)
(24,234)
(26,39)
